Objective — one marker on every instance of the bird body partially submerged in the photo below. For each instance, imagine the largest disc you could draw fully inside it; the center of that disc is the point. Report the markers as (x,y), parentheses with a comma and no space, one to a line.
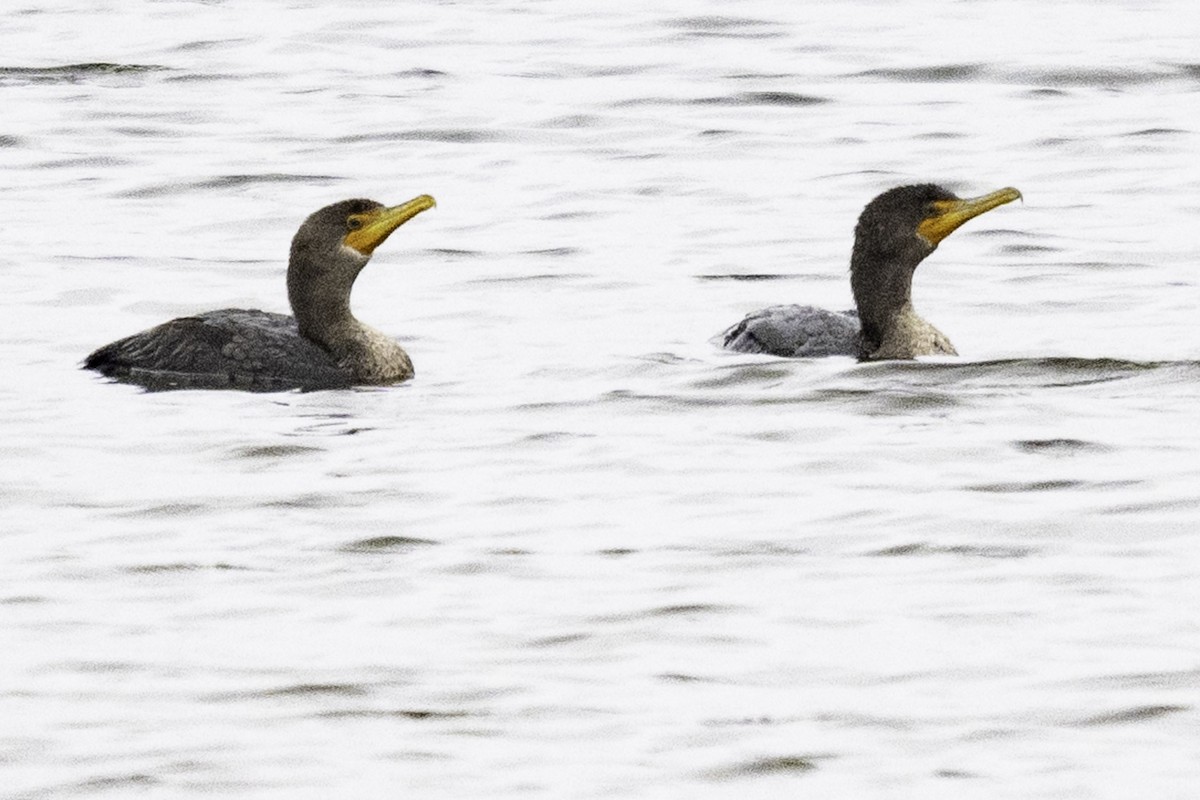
(796,332)
(895,232)
(227,349)
(322,347)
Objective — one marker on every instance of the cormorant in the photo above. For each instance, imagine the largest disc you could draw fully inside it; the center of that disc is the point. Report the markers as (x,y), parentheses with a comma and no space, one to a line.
(322,347)
(895,232)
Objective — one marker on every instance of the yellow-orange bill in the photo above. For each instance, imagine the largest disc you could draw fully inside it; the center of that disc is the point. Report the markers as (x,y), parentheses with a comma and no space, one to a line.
(952,213)
(379,224)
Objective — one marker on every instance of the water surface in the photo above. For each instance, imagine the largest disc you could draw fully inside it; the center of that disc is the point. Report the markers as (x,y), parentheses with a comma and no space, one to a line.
(585,553)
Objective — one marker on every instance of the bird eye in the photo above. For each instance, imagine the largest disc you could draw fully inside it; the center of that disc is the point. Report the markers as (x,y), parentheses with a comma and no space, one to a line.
(354,223)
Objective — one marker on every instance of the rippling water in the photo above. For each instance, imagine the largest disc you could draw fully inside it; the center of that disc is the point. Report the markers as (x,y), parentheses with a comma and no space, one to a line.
(585,553)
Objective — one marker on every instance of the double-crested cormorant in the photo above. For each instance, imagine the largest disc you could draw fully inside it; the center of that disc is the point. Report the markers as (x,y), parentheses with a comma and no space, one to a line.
(322,347)
(895,232)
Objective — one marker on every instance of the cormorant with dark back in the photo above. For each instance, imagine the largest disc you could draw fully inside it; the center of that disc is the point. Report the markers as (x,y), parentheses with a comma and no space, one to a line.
(322,347)
(895,233)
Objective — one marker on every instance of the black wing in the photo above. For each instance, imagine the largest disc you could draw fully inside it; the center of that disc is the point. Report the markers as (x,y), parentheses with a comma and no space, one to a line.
(795,332)
(227,349)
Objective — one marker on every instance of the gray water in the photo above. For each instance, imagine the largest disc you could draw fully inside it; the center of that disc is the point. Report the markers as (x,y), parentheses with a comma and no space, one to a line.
(585,553)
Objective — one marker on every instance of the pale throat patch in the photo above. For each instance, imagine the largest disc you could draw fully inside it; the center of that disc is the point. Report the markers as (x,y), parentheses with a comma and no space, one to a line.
(355,254)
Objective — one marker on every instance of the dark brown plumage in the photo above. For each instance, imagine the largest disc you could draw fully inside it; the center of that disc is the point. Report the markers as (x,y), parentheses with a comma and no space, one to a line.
(323,346)
(895,233)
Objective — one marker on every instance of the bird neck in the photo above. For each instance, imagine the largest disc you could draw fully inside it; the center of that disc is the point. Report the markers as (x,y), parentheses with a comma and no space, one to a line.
(882,292)
(321,306)
(320,302)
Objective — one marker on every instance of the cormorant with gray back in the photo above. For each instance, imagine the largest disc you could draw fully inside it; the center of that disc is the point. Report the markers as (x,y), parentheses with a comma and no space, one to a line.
(322,347)
(895,233)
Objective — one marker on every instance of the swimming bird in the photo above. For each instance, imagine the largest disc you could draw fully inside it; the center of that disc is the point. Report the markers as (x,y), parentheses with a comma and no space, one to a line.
(895,233)
(323,346)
